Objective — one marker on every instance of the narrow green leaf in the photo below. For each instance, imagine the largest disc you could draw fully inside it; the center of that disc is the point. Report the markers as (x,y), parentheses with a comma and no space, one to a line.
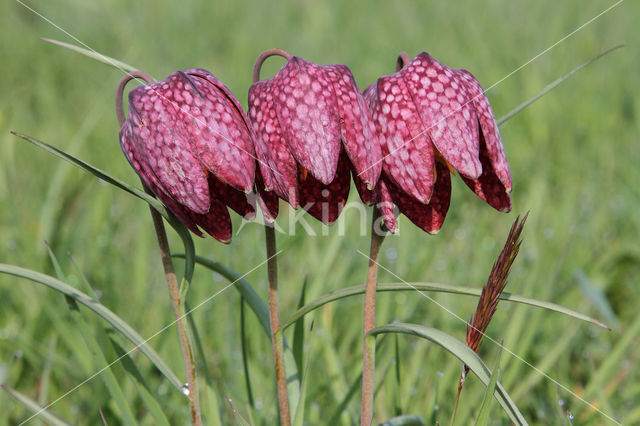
(487,400)
(244,344)
(437,287)
(405,420)
(93,55)
(597,297)
(98,358)
(261,311)
(97,173)
(298,418)
(463,353)
(41,412)
(398,397)
(150,401)
(298,330)
(125,329)
(549,87)
(351,392)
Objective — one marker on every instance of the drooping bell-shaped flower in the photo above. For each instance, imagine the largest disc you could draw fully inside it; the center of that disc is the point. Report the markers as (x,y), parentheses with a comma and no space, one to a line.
(188,139)
(432,121)
(312,129)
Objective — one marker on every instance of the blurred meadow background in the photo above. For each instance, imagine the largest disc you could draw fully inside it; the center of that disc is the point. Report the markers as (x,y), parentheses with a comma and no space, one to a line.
(574,158)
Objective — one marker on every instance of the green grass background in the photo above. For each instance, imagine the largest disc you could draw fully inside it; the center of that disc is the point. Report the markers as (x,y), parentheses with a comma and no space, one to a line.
(574,158)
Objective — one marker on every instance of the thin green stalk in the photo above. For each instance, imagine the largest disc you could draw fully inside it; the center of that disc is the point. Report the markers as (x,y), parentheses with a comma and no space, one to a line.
(369,345)
(179,312)
(176,293)
(277,339)
(276,331)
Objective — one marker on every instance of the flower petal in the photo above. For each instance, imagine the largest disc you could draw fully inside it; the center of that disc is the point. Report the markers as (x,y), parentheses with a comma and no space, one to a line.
(277,165)
(489,128)
(357,128)
(406,148)
(218,127)
(156,131)
(385,205)
(445,106)
(325,202)
(269,203)
(217,222)
(488,186)
(308,114)
(429,217)
(241,202)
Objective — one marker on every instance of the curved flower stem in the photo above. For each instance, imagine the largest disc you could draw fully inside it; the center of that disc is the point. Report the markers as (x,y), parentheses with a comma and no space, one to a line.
(276,331)
(120,90)
(174,290)
(263,56)
(277,340)
(402,61)
(369,345)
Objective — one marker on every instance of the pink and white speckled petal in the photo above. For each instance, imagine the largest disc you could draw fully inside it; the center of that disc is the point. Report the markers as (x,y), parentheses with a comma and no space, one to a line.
(325,202)
(163,144)
(218,129)
(356,125)
(408,157)
(385,205)
(429,217)
(489,128)
(269,201)
(488,186)
(446,108)
(366,195)
(277,165)
(308,113)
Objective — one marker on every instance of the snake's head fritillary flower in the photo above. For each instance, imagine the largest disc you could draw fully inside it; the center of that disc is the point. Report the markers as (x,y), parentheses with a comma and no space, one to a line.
(432,121)
(312,129)
(188,139)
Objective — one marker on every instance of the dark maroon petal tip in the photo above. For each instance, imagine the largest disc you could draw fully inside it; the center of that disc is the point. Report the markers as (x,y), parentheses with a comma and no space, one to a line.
(325,202)
(429,217)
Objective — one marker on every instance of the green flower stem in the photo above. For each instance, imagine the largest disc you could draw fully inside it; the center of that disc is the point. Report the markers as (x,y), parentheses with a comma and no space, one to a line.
(276,331)
(369,344)
(179,311)
(277,339)
(177,298)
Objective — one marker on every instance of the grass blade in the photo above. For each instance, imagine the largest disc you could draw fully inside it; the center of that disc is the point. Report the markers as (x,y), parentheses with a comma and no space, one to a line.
(437,287)
(405,420)
(549,87)
(150,401)
(44,414)
(98,358)
(182,231)
(261,311)
(118,323)
(463,353)
(93,55)
(298,330)
(97,173)
(487,400)
(245,359)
